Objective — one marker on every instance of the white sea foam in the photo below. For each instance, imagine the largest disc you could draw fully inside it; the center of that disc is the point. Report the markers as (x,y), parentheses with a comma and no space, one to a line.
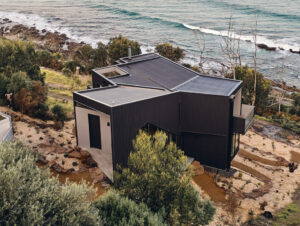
(279,44)
(40,23)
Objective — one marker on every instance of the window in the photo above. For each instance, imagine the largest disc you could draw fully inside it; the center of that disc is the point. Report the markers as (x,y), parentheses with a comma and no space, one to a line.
(94,130)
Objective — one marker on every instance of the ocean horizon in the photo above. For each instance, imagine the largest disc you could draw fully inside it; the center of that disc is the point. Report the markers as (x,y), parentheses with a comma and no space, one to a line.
(186,24)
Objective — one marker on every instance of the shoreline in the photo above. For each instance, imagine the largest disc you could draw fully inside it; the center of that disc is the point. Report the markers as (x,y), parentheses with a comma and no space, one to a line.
(61,43)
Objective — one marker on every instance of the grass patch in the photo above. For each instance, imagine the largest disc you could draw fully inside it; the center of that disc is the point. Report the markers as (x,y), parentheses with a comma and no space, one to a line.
(68,107)
(290,215)
(60,91)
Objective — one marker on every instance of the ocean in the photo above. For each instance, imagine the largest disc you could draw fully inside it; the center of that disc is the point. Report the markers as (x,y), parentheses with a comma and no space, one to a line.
(185,23)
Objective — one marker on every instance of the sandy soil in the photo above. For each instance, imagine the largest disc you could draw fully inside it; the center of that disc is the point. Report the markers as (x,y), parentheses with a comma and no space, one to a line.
(259,174)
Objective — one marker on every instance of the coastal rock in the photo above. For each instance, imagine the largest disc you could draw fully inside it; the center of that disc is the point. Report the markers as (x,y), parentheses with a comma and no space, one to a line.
(264,46)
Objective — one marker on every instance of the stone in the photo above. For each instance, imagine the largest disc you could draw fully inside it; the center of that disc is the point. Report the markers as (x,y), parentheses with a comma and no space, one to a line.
(84,154)
(257,127)
(96,175)
(90,162)
(264,46)
(74,154)
(57,168)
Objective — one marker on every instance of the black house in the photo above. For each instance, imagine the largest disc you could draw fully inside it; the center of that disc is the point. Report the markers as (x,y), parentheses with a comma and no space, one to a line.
(202,114)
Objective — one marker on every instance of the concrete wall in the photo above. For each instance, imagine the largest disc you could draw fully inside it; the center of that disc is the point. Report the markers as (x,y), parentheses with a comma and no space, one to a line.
(6,131)
(102,156)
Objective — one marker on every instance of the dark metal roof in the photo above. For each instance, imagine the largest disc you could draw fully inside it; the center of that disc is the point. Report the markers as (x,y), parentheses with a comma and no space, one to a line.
(209,85)
(153,70)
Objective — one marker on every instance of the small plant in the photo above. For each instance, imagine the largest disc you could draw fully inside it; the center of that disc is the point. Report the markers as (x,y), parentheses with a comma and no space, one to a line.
(250,212)
(69,142)
(248,181)
(273,145)
(41,138)
(240,174)
(66,155)
(60,135)
(37,130)
(30,141)
(62,144)
(74,164)
(63,162)
(29,136)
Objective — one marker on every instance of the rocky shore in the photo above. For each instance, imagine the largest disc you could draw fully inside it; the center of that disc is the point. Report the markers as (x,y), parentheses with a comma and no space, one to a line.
(43,39)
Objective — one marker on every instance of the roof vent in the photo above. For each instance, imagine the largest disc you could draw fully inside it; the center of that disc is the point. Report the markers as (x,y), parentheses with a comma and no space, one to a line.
(129,52)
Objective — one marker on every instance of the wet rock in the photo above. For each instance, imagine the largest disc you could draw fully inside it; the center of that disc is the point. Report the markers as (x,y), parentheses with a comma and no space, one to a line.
(292,167)
(268,215)
(293,51)
(264,46)
(96,175)
(90,162)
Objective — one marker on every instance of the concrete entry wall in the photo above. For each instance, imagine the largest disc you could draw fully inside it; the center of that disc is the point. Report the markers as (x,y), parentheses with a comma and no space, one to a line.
(102,156)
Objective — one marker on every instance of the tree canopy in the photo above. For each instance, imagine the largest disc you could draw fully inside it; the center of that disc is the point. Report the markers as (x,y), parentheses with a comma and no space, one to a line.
(117,210)
(156,176)
(246,74)
(118,48)
(29,196)
(170,52)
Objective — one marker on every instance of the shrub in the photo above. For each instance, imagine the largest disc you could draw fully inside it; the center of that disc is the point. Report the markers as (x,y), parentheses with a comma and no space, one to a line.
(67,72)
(118,48)
(156,176)
(70,65)
(117,210)
(59,113)
(29,196)
(246,74)
(170,52)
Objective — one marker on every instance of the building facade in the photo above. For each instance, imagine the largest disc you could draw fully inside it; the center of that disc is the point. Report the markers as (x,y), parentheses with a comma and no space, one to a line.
(204,115)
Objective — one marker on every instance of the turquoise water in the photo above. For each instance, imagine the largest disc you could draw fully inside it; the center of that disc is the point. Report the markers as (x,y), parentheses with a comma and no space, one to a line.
(183,23)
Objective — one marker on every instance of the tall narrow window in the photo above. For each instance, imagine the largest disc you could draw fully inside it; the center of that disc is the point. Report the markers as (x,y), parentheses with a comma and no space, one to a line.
(94,129)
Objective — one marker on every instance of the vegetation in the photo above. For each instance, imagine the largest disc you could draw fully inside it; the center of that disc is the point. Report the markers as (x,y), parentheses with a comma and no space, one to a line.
(89,58)
(118,48)
(263,87)
(117,210)
(156,176)
(170,52)
(59,113)
(29,196)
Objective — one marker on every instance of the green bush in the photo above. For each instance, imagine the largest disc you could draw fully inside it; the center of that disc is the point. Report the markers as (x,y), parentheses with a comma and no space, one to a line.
(117,210)
(67,72)
(29,196)
(70,65)
(170,52)
(59,113)
(156,176)
(118,48)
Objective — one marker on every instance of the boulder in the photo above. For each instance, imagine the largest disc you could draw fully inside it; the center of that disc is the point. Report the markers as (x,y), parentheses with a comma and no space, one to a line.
(90,162)
(84,154)
(96,175)
(264,46)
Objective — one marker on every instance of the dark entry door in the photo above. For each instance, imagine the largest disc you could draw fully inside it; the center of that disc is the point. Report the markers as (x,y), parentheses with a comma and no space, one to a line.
(94,128)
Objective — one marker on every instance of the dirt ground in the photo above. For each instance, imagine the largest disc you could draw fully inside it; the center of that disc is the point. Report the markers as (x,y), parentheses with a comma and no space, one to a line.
(259,180)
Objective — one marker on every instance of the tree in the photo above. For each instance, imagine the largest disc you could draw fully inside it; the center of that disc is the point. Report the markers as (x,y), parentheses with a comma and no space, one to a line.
(30,196)
(28,100)
(59,113)
(170,52)
(263,87)
(118,48)
(117,210)
(100,56)
(156,176)
(18,81)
